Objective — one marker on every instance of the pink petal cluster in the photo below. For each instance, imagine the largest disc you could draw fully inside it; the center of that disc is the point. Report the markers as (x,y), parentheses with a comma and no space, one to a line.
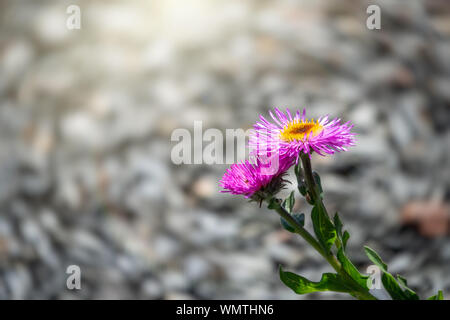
(282,142)
(247,178)
(332,137)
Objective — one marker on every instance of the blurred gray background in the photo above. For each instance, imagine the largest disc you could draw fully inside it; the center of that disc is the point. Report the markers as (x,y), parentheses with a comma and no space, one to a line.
(86,118)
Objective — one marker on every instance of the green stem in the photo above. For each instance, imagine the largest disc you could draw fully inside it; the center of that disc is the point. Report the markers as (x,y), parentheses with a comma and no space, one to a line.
(313,191)
(306,162)
(331,259)
(299,229)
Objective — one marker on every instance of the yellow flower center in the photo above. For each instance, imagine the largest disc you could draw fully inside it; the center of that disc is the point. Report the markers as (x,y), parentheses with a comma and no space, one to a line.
(296,130)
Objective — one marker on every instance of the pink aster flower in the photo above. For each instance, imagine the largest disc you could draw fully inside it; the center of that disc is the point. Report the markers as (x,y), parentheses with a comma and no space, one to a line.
(261,178)
(291,135)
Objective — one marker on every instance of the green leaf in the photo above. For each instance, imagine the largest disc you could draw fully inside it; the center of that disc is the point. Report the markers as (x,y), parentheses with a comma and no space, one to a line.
(299,217)
(375,258)
(402,280)
(338,224)
(289,202)
(348,266)
(317,181)
(301,285)
(288,205)
(392,287)
(395,290)
(439,296)
(398,290)
(409,294)
(323,227)
(302,188)
(286,225)
(345,238)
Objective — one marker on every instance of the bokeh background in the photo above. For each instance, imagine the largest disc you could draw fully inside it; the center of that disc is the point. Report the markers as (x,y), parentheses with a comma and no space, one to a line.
(86,118)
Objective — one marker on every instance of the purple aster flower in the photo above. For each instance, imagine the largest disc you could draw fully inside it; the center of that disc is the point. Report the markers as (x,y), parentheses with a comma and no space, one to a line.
(291,135)
(256,179)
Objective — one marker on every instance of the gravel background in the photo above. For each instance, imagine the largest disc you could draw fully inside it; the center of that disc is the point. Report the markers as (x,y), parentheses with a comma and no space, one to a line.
(86,118)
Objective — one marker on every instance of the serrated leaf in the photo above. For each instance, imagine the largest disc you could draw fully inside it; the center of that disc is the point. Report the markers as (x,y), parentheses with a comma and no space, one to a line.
(439,296)
(299,217)
(375,258)
(352,271)
(323,227)
(289,202)
(301,285)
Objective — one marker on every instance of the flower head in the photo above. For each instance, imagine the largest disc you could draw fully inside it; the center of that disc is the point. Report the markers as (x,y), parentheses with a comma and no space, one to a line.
(291,135)
(256,180)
